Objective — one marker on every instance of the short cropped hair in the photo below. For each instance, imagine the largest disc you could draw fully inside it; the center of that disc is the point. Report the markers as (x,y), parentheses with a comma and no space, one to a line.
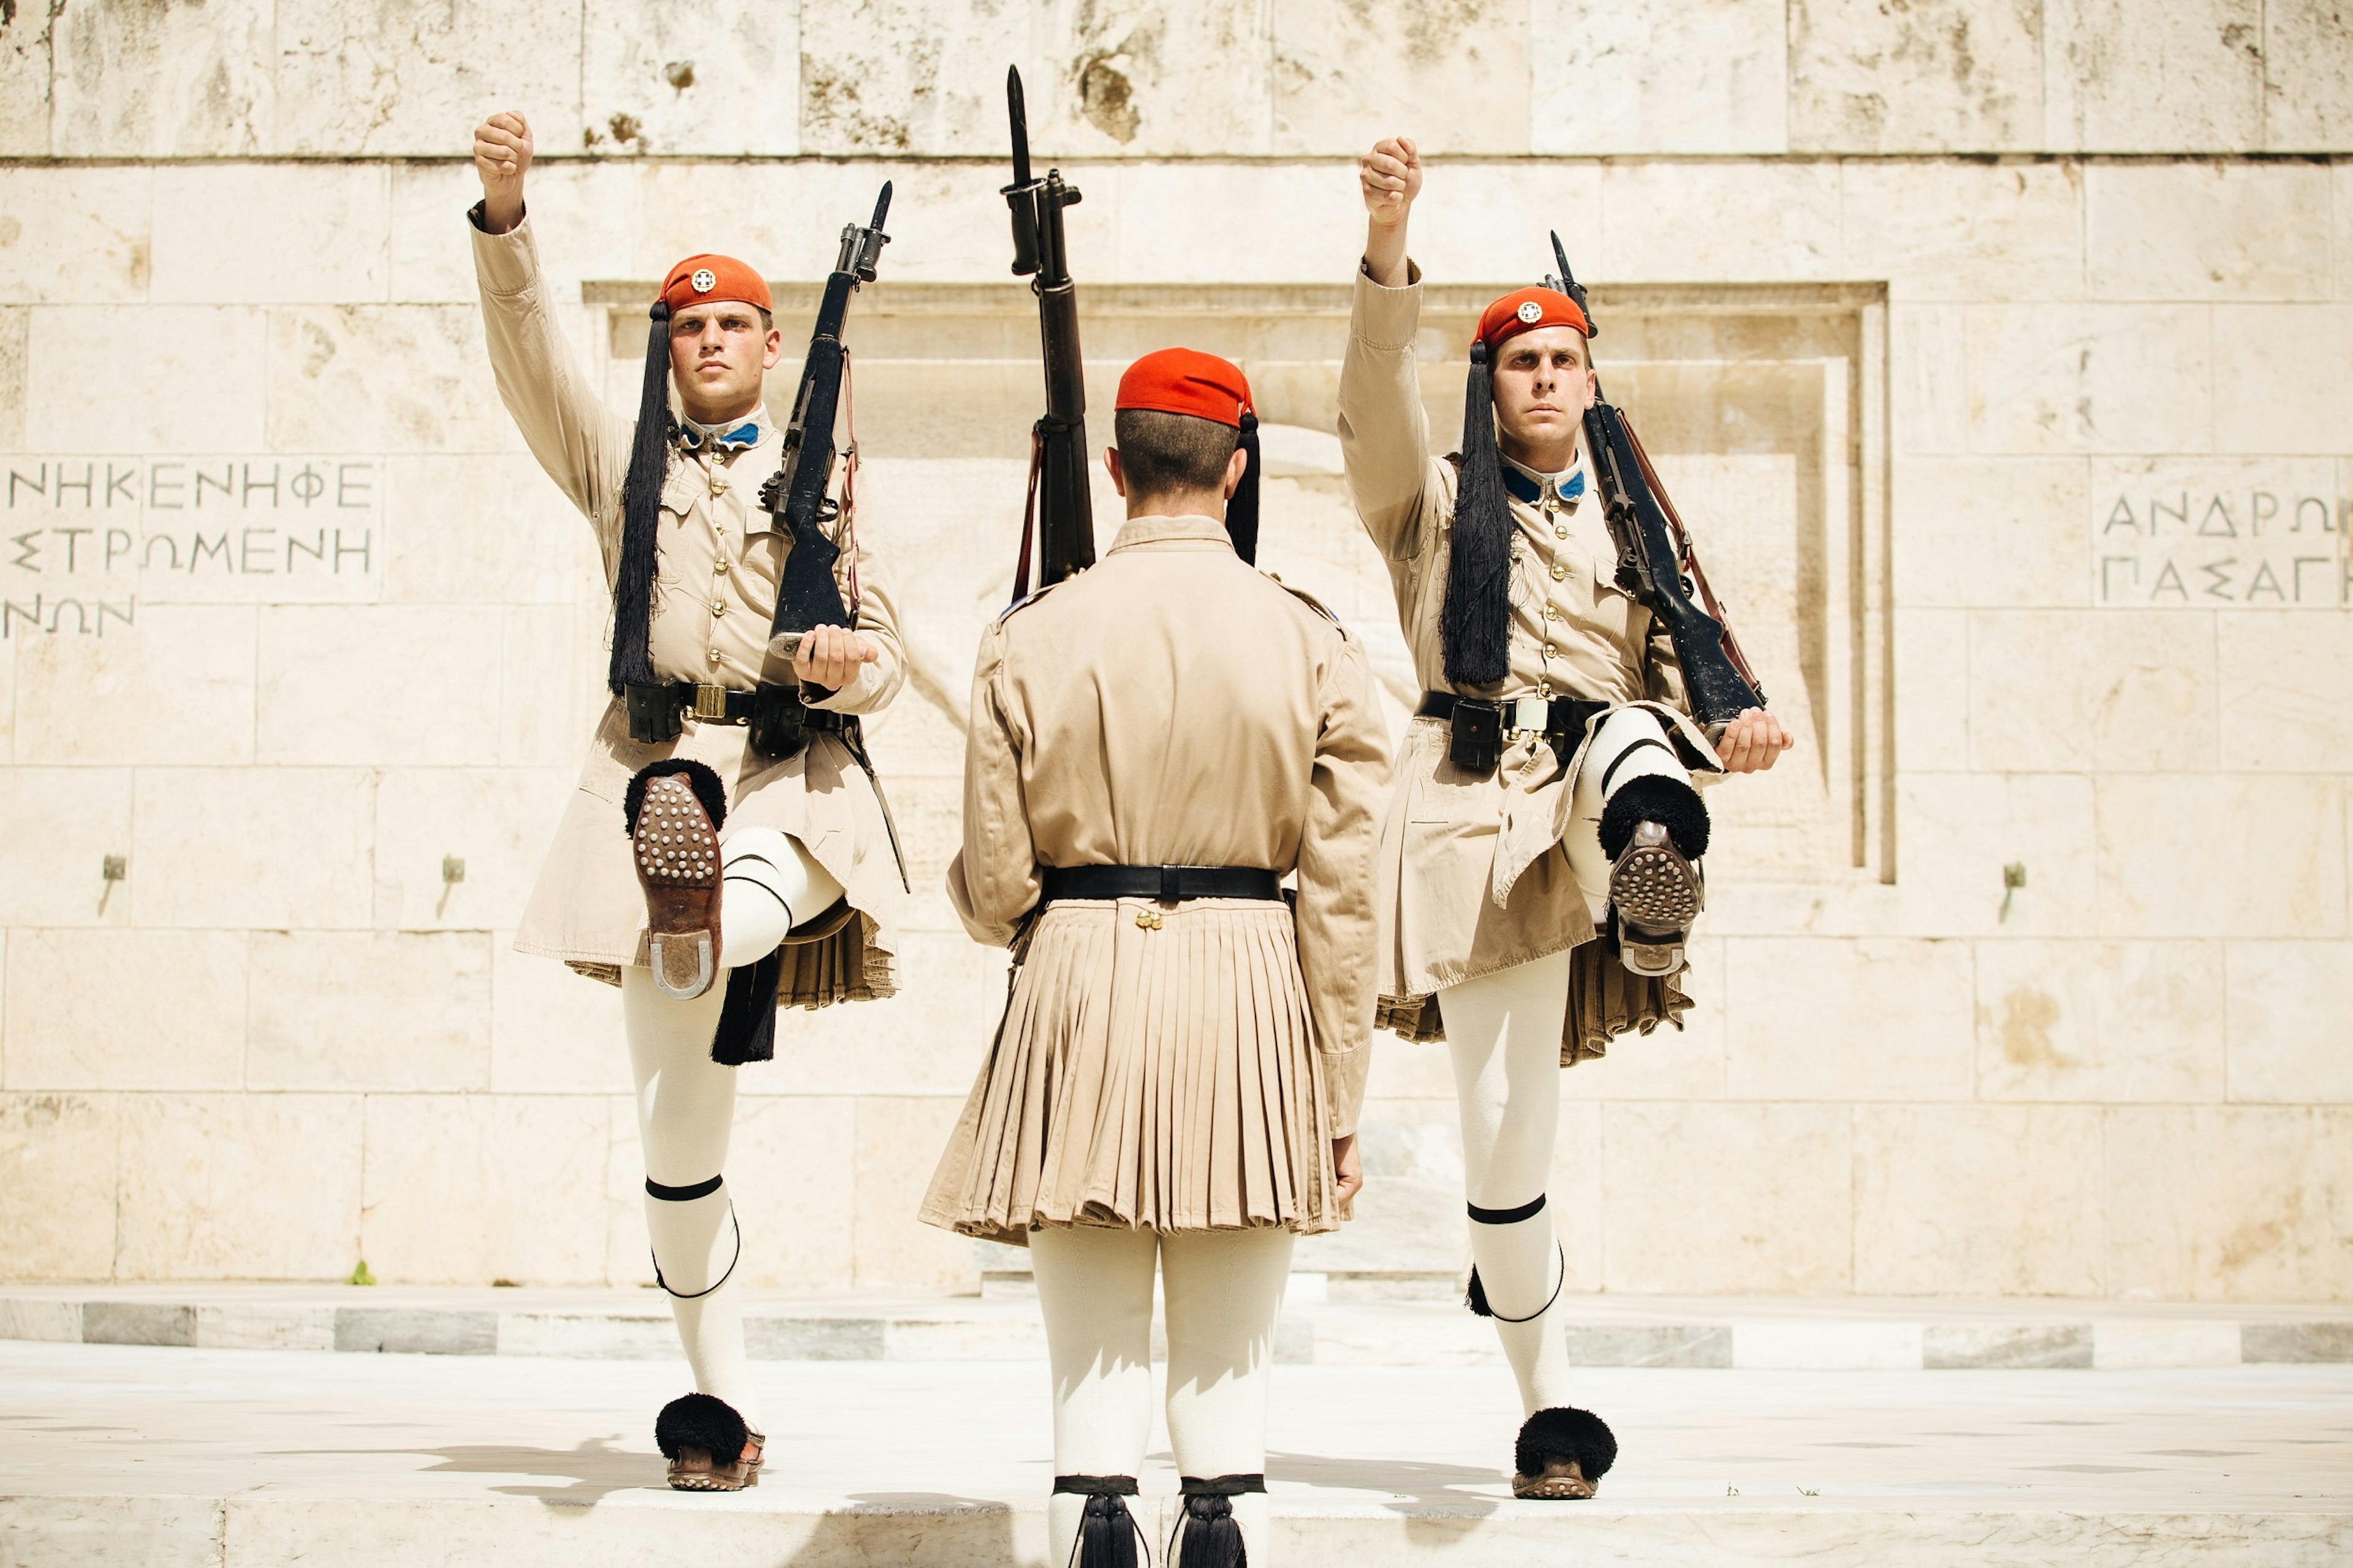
(1163,452)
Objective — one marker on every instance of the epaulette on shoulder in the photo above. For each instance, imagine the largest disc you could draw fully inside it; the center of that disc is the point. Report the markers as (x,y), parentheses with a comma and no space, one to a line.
(1026,600)
(1311,601)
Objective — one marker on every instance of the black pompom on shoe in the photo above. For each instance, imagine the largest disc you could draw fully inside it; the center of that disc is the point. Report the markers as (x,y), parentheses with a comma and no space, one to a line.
(1563,1452)
(698,778)
(704,1438)
(1653,797)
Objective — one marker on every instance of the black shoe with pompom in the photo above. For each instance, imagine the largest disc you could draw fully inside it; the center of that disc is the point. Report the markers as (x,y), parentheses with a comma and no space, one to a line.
(1563,1452)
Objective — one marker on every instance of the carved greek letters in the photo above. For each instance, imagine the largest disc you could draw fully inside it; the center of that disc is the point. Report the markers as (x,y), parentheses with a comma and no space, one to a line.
(84,540)
(2179,534)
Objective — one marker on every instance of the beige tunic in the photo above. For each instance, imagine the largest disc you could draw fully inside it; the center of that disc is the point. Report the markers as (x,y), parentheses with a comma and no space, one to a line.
(1473,877)
(1173,1067)
(715,595)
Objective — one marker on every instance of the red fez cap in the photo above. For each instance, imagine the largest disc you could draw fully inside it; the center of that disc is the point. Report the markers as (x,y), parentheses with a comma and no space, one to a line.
(1187,381)
(700,280)
(1528,309)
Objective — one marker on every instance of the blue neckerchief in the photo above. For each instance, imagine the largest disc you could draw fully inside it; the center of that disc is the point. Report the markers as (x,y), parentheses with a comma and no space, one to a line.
(1526,486)
(734,438)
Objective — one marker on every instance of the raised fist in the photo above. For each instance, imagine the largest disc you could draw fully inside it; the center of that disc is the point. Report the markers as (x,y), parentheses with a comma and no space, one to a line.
(501,154)
(1391,177)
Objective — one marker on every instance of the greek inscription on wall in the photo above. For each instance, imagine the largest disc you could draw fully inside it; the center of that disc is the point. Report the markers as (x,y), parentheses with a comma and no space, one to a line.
(85,540)
(2267,536)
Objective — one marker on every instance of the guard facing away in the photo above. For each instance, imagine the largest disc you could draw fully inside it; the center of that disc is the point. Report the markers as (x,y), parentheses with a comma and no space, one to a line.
(728,852)
(1156,744)
(1539,867)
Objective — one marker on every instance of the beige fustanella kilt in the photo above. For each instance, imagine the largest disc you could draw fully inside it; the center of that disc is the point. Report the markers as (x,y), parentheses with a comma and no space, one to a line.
(1158,1078)
(588,911)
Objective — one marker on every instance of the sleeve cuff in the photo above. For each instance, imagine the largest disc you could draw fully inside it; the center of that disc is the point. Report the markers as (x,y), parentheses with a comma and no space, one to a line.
(1387,318)
(507,263)
(1344,1075)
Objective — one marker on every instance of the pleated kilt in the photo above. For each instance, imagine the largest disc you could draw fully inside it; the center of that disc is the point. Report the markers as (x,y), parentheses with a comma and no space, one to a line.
(1160,1077)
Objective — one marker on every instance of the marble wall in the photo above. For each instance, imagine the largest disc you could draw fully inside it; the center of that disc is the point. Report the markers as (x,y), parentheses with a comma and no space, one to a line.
(287,619)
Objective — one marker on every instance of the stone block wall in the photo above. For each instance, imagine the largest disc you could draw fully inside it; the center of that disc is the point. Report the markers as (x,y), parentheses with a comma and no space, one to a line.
(290,619)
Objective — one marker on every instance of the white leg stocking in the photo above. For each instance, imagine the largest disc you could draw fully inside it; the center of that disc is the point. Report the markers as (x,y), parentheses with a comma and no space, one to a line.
(768,884)
(1224,1292)
(1094,1290)
(1631,743)
(1504,1031)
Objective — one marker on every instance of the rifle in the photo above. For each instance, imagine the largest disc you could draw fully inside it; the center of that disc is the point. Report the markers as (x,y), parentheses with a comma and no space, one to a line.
(1656,563)
(1058,520)
(798,493)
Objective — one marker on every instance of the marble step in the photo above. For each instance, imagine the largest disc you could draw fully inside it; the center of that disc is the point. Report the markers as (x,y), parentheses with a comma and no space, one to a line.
(1752,1333)
(115,1455)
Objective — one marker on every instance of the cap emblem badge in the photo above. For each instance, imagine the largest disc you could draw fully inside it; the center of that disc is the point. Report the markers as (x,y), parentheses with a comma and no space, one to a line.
(705,281)
(1530,311)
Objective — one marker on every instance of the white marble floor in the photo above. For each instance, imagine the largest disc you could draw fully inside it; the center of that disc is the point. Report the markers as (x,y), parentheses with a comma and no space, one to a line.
(239,1458)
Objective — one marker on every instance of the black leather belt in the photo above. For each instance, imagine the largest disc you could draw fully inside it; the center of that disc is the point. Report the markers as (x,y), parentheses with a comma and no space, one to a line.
(1169,884)
(664,703)
(1481,728)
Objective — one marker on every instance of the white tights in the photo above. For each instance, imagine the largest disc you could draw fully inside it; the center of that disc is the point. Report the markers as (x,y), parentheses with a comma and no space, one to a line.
(1618,753)
(1504,1031)
(1224,1292)
(686,1103)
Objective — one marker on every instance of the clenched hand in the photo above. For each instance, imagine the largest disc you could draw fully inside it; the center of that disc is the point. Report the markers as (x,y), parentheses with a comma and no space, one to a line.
(501,154)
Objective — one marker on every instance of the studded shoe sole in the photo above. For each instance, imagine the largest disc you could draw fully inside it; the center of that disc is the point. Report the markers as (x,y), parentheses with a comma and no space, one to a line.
(677,853)
(1562,1478)
(1657,894)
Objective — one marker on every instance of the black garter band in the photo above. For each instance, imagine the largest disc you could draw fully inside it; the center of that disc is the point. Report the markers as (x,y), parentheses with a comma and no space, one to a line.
(1529,1210)
(1094,1486)
(685,1194)
(701,1189)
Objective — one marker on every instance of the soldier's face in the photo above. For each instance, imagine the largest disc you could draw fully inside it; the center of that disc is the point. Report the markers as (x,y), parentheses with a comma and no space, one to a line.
(1544,385)
(717,354)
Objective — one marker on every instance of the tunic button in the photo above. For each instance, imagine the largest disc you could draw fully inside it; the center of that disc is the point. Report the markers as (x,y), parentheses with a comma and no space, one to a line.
(1549,650)
(1560,534)
(719,567)
(1551,613)
(720,607)
(718,484)
(714,656)
(1558,573)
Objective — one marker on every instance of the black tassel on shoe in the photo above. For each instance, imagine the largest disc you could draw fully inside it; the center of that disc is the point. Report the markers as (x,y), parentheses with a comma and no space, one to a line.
(1107,1531)
(699,777)
(1565,1432)
(1654,798)
(1210,1536)
(701,1421)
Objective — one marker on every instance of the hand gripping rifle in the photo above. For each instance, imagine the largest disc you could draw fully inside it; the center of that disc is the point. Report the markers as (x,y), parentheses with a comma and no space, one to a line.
(798,494)
(1655,560)
(1058,524)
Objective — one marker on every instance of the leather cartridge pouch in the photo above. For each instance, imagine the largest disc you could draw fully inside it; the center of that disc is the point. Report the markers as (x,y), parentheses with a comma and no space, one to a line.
(655,714)
(1475,735)
(779,720)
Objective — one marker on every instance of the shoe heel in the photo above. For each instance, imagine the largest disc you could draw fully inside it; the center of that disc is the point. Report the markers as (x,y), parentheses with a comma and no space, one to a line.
(680,956)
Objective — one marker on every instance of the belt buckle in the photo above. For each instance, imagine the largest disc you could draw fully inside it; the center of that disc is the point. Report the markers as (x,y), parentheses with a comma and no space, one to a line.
(709,701)
(1530,716)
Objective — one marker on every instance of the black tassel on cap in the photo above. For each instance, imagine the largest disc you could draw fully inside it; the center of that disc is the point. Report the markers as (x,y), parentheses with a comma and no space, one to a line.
(1211,1537)
(633,576)
(1475,621)
(1241,512)
(1107,1531)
